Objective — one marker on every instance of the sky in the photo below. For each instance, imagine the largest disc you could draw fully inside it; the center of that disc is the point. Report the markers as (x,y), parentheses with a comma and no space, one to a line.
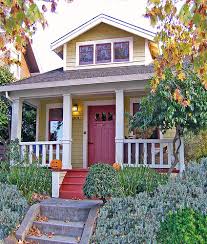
(70,15)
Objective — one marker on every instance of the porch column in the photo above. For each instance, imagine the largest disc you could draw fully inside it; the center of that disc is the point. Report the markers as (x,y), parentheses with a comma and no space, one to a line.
(16,123)
(119,139)
(67,131)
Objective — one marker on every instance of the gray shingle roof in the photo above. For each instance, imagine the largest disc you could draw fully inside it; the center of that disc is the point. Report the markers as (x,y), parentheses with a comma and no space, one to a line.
(60,75)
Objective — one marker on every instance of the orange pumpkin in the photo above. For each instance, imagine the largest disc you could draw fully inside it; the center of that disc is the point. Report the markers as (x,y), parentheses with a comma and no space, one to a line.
(56,164)
(117,166)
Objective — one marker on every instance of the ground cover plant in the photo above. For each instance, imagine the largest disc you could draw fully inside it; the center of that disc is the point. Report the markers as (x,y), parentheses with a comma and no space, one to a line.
(138,219)
(13,207)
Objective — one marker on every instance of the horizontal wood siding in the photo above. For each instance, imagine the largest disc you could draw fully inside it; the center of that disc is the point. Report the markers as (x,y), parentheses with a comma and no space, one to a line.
(104,31)
(24,68)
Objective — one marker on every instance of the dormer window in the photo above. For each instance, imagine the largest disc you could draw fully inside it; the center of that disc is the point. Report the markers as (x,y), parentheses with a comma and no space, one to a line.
(104,51)
(86,54)
(121,51)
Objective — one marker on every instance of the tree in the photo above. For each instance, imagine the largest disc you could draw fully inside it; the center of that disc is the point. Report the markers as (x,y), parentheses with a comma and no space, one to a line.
(5,77)
(175,104)
(18,22)
(181,34)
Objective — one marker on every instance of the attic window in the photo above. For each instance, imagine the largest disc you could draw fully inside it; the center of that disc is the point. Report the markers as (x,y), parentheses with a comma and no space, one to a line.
(121,51)
(86,54)
(103,53)
(115,50)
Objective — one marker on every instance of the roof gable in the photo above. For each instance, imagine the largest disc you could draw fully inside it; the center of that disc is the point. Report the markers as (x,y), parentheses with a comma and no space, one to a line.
(102,18)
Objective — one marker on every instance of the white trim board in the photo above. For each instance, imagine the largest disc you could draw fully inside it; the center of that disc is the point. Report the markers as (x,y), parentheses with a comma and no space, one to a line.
(48,107)
(86,104)
(102,18)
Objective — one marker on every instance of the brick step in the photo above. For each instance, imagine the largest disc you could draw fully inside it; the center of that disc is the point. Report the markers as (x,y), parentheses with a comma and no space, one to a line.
(74,179)
(59,227)
(67,186)
(75,195)
(56,239)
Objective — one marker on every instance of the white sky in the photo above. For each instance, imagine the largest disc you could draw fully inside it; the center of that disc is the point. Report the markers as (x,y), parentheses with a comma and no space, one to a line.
(70,15)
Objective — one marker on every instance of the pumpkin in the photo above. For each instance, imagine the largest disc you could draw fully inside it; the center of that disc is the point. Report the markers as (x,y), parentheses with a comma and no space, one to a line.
(56,164)
(117,166)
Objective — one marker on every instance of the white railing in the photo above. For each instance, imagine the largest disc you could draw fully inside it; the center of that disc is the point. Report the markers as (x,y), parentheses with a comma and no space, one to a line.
(154,153)
(41,152)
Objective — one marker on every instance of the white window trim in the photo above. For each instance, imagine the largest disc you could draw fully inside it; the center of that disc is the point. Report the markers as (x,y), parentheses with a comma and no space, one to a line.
(48,107)
(138,100)
(86,104)
(125,39)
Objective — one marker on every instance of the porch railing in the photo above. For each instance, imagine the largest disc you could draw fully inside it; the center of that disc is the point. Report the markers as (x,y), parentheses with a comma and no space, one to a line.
(41,152)
(154,153)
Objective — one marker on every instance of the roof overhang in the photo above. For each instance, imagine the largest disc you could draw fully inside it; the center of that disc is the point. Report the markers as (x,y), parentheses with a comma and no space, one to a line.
(75,82)
(102,18)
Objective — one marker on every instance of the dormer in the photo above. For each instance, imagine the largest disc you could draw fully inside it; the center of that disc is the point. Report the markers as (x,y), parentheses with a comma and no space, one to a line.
(105,42)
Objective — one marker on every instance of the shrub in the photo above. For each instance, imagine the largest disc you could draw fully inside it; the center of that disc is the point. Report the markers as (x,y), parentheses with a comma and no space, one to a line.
(12,209)
(137,220)
(136,180)
(183,226)
(101,182)
(31,179)
(4,171)
(195,146)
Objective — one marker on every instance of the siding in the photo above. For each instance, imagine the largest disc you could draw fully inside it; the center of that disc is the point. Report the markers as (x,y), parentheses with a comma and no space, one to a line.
(104,31)
(24,68)
(77,127)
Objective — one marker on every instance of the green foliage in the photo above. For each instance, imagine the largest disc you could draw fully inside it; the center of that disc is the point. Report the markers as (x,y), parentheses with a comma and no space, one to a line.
(137,219)
(31,179)
(5,78)
(161,108)
(4,171)
(101,182)
(13,153)
(12,209)
(195,146)
(184,226)
(28,123)
(136,180)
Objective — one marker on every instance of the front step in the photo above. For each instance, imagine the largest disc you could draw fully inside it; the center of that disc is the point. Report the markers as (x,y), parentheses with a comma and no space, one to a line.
(59,227)
(56,221)
(72,185)
(56,239)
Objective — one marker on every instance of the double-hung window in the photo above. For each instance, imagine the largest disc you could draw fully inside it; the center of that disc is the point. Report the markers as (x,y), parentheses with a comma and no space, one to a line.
(105,51)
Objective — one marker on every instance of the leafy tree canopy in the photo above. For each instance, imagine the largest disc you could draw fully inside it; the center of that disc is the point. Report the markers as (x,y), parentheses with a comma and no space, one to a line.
(18,22)
(175,104)
(181,34)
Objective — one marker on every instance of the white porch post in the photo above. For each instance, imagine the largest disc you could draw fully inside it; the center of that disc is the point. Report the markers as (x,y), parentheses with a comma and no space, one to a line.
(67,131)
(119,139)
(182,157)
(16,123)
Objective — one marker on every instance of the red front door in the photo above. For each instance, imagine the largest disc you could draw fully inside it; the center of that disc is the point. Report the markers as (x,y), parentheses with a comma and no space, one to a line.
(101,136)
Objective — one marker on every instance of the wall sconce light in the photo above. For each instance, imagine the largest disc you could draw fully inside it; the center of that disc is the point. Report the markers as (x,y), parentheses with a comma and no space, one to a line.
(75,108)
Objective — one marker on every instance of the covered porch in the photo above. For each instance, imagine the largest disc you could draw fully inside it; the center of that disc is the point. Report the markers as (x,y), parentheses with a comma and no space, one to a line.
(82,130)
(86,125)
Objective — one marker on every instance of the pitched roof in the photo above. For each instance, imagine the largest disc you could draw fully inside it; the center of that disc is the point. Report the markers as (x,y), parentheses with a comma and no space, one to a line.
(139,72)
(102,18)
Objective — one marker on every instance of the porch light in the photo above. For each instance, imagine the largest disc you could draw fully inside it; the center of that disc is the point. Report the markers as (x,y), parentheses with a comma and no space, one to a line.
(75,108)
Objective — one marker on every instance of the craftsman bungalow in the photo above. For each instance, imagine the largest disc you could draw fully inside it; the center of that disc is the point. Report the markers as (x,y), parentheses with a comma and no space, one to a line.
(81,107)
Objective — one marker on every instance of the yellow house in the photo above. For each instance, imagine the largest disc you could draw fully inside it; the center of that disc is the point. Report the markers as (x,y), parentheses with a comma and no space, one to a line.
(81,107)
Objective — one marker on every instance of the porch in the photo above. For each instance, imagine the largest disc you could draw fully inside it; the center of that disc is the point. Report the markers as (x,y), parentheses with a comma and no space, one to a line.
(78,145)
